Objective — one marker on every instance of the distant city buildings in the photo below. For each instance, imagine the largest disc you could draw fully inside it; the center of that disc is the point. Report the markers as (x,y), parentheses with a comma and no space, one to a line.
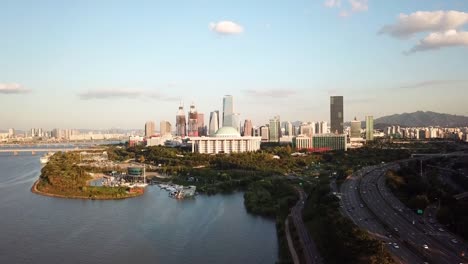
(181,129)
(336,115)
(192,126)
(320,142)
(201,124)
(149,129)
(214,122)
(165,128)
(247,131)
(355,129)
(228,111)
(369,128)
(274,129)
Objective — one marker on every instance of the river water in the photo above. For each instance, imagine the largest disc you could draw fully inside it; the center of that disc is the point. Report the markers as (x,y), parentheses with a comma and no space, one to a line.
(152,228)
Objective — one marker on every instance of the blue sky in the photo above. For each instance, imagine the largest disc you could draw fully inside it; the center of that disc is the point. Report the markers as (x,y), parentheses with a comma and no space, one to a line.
(102,64)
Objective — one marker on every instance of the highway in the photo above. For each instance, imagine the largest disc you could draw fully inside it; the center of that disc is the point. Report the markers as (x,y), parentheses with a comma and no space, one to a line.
(311,254)
(368,202)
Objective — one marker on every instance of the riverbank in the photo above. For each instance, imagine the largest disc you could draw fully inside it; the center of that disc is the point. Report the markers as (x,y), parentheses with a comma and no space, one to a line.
(35,190)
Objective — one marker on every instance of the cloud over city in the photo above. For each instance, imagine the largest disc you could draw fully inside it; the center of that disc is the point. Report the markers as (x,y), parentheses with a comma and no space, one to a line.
(108,94)
(423,84)
(272,93)
(347,8)
(444,29)
(226,28)
(12,88)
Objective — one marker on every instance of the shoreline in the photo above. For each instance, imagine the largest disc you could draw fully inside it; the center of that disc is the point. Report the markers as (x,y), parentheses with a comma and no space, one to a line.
(36,191)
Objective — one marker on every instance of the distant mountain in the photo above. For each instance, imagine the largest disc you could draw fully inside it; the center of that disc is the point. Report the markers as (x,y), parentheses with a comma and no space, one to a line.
(423,119)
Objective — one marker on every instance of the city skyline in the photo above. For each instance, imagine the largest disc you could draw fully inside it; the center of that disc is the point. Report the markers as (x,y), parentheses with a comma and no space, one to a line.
(95,65)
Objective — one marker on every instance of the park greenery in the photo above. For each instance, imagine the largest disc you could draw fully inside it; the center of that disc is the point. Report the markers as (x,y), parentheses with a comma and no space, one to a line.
(62,177)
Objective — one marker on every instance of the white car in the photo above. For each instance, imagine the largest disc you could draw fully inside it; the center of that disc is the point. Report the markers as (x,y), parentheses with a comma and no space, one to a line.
(425,246)
(454,241)
(395,245)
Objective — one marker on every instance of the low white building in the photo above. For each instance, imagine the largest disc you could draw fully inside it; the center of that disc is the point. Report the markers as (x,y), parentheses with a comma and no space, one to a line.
(225,140)
(158,140)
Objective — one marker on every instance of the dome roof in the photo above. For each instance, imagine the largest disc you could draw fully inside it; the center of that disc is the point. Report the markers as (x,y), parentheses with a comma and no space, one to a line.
(227,132)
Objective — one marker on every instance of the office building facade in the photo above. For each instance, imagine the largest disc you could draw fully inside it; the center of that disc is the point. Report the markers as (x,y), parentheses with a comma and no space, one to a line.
(336,115)
(214,123)
(181,127)
(149,129)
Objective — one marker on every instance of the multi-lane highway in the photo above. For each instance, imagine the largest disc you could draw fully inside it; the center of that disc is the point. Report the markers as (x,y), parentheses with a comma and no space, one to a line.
(367,201)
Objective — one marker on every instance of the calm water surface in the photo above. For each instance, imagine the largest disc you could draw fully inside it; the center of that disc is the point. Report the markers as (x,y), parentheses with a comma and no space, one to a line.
(152,228)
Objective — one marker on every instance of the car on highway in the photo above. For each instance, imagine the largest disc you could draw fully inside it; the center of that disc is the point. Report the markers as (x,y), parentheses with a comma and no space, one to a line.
(441,229)
(454,241)
(361,205)
(425,246)
(396,229)
(395,245)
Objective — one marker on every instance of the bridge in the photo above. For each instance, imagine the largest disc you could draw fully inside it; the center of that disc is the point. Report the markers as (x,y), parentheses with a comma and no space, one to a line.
(34,150)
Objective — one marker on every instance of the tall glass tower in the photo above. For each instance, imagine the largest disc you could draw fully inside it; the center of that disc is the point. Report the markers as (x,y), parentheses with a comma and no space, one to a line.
(228,111)
(214,122)
(336,115)
(181,123)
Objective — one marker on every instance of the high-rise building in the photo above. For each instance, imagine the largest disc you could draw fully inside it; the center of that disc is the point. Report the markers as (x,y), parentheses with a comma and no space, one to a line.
(369,128)
(236,121)
(228,111)
(355,129)
(11,132)
(247,128)
(288,129)
(323,128)
(264,133)
(214,122)
(201,124)
(149,129)
(275,129)
(181,127)
(336,115)
(192,126)
(165,128)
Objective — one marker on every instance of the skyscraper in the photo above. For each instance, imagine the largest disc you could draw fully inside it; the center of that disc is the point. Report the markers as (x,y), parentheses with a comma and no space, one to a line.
(275,129)
(192,130)
(369,128)
(236,121)
(165,128)
(247,128)
(323,127)
(201,124)
(181,129)
(288,129)
(355,129)
(264,133)
(228,111)
(336,114)
(149,129)
(214,122)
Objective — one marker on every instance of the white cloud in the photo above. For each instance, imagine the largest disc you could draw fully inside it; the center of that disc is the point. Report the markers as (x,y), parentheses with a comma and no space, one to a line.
(274,93)
(433,83)
(12,88)
(352,6)
(436,21)
(359,5)
(125,94)
(226,28)
(344,13)
(440,40)
(332,3)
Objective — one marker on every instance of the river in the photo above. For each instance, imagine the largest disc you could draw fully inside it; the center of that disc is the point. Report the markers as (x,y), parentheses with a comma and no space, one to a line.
(152,228)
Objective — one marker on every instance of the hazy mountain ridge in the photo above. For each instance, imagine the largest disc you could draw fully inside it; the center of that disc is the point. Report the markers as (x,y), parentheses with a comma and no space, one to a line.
(423,119)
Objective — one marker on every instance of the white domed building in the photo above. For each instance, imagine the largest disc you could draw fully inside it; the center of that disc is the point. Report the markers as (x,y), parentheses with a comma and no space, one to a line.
(225,140)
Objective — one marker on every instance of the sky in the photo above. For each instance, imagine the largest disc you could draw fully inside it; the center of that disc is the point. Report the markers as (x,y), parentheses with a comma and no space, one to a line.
(116,64)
